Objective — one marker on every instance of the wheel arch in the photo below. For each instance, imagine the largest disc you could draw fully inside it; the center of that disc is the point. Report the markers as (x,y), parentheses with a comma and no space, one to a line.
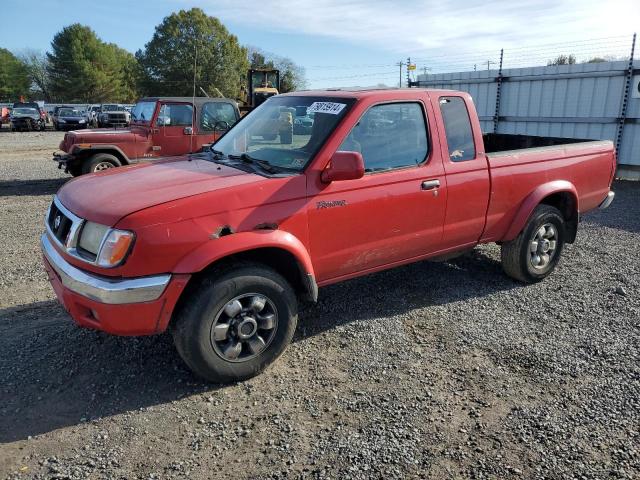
(560,194)
(276,249)
(86,153)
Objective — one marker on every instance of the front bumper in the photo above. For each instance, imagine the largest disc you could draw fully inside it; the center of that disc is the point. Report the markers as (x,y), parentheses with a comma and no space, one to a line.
(607,200)
(63,158)
(132,306)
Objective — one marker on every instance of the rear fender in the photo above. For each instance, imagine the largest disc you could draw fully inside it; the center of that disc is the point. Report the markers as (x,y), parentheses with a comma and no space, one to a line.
(537,197)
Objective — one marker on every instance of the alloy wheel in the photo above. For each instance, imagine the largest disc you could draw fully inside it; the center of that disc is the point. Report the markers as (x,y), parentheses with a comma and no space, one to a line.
(244,327)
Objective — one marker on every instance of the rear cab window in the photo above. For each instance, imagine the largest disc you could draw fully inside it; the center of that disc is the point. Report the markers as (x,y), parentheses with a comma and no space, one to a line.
(457,126)
(390,136)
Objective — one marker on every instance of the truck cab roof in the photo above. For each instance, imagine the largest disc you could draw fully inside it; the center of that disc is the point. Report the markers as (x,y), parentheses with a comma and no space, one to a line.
(197,100)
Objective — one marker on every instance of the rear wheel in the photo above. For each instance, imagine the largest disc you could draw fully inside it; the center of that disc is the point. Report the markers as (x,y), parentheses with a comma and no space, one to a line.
(235,324)
(534,254)
(99,162)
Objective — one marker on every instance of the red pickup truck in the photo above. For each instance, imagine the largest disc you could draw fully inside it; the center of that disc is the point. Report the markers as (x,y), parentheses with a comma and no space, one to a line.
(219,247)
(159,127)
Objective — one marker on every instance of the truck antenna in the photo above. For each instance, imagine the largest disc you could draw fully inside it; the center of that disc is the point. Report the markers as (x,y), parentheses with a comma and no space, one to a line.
(193,98)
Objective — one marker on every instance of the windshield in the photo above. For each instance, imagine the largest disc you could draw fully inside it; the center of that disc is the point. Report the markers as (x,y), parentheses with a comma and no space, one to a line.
(260,79)
(70,112)
(143,111)
(25,111)
(112,108)
(285,131)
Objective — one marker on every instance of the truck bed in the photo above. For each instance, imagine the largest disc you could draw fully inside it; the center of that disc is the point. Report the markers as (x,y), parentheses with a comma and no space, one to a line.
(520,163)
(498,142)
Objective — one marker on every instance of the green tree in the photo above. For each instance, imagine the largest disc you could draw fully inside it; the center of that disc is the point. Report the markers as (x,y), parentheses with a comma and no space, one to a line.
(292,76)
(562,60)
(14,77)
(167,61)
(83,68)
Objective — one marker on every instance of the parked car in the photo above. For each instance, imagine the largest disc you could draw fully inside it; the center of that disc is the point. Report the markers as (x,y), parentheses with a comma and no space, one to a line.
(160,127)
(39,106)
(218,247)
(71,118)
(26,118)
(112,115)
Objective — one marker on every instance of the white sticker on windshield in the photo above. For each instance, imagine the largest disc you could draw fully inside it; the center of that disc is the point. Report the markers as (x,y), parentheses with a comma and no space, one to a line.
(326,107)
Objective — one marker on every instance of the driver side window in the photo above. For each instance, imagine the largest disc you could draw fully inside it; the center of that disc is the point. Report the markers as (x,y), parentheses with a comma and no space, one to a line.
(389,136)
(175,115)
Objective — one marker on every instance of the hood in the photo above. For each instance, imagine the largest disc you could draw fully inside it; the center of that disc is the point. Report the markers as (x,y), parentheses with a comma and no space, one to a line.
(72,117)
(108,196)
(25,115)
(106,136)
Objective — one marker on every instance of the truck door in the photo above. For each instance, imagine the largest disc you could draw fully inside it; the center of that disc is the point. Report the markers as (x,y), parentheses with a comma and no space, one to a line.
(396,211)
(465,164)
(174,132)
(211,114)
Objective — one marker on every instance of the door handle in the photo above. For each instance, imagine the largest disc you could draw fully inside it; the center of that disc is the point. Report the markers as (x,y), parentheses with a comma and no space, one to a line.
(430,184)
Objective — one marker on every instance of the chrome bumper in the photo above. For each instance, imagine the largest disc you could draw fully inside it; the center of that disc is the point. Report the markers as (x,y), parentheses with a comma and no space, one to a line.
(103,289)
(607,200)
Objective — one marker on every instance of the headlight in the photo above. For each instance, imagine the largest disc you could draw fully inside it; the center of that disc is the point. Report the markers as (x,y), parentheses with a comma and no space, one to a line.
(61,121)
(82,120)
(110,246)
(91,237)
(115,248)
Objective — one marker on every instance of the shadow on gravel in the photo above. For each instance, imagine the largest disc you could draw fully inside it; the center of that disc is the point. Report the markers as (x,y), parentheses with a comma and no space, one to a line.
(400,290)
(623,214)
(18,188)
(53,374)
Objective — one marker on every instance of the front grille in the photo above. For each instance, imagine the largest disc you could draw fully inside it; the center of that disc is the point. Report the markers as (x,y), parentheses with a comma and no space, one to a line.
(59,224)
(117,117)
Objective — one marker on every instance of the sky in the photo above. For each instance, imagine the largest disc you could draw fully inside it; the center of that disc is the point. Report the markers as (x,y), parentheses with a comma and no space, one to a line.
(356,42)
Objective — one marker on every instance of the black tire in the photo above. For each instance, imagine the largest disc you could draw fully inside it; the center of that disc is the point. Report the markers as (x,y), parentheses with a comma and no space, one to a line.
(99,162)
(75,171)
(193,325)
(517,256)
(286,136)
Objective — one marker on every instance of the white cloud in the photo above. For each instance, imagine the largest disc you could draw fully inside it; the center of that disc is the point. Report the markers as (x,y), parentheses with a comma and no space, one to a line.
(428,25)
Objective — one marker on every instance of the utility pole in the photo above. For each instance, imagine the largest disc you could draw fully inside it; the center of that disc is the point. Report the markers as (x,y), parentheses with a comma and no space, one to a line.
(489,62)
(400,64)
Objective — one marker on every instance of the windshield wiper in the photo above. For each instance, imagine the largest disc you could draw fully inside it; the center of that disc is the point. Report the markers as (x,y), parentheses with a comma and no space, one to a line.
(266,166)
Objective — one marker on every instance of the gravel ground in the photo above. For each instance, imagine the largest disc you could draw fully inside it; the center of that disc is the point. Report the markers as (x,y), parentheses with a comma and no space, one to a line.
(439,370)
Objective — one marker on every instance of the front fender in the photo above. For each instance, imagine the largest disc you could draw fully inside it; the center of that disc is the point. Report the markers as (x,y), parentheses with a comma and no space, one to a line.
(219,248)
(533,200)
(78,151)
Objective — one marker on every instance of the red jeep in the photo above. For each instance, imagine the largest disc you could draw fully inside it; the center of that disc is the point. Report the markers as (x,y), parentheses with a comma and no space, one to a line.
(160,127)
(219,246)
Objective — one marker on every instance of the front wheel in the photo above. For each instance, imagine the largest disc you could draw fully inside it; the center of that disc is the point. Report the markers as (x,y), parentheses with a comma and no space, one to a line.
(100,162)
(235,324)
(534,254)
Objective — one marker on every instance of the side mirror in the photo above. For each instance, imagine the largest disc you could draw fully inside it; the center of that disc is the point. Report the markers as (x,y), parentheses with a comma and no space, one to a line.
(188,130)
(344,166)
